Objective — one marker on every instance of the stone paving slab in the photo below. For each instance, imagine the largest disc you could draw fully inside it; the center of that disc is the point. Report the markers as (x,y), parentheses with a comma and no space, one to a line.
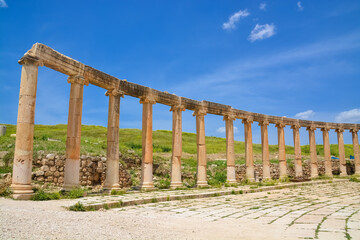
(320,214)
(137,198)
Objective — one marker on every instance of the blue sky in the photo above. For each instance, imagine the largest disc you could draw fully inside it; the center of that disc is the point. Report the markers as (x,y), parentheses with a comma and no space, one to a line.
(286,58)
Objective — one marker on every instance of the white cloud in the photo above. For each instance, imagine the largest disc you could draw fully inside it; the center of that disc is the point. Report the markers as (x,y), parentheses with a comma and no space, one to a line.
(305,115)
(3,4)
(222,130)
(351,116)
(300,6)
(231,24)
(262,6)
(262,32)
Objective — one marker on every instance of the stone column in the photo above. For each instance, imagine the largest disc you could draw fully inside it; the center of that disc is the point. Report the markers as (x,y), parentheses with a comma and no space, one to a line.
(22,168)
(147,147)
(112,154)
(355,140)
(176,146)
(313,153)
(282,153)
(265,149)
(297,150)
(201,148)
(341,146)
(230,152)
(249,159)
(327,153)
(72,162)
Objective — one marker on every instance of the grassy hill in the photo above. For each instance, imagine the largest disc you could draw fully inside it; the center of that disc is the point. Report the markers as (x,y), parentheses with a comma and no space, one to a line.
(93,142)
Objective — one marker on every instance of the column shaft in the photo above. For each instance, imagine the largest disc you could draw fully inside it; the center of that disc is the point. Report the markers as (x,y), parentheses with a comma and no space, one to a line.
(147,147)
(176,147)
(112,154)
(249,159)
(22,167)
(72,162)
(327,153)
(297,150)
(265,149)
(341,146)
(282,152)
(201,148)
(230,152)
(313,153)
(355,140)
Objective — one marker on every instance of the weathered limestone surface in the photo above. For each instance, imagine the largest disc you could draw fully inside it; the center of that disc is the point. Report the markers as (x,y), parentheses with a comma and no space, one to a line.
(21,181)
(340,138)
(230,152)
(249,158)
(72,164)
(327,153)
(282,154)
(297,150)
(176,146)
(265,149)
(355,140)
(147,147)
(112,171)
(313,153)
(201,148)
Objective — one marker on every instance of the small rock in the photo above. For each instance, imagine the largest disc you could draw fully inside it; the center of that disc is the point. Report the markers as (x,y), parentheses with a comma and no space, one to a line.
(50,156)
(44,168)
(39,173)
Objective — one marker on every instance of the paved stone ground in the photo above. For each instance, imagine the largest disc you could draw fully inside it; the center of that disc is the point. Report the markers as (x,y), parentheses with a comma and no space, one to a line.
(326,211)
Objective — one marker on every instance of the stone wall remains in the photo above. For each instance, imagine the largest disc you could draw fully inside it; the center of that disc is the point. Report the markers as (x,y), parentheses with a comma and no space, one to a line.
(92,170)
(274,169)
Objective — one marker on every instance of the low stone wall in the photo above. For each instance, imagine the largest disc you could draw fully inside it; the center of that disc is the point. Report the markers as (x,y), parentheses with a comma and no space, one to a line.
(274,169)
(92,170)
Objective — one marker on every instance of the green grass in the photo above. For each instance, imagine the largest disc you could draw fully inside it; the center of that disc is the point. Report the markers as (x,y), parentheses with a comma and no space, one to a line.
(93,141)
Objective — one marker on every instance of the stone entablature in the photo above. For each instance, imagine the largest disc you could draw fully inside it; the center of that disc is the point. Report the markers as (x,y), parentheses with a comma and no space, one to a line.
(59,62)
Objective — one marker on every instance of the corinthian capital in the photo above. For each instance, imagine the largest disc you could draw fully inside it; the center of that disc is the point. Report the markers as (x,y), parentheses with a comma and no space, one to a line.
(114,92)
(79,79)
(30,60)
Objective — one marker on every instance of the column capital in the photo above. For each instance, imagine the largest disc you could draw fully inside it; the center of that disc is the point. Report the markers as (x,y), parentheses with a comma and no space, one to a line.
(354,130)
(295,126)
(177,107)
(280,125)
(339,130)
(79,79)
(311,128)
(264,123)
(200,112)
(147,99)
(325,129)
(30,60)
(230,117)
(114,92)
(248,120)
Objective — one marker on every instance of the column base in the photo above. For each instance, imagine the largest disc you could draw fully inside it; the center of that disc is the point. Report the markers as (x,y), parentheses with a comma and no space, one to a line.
(251,179)
(201,184)
(231,181)
(111,187)
(22,191)
(147,186)
(174,185)
(69,187)
(314,176)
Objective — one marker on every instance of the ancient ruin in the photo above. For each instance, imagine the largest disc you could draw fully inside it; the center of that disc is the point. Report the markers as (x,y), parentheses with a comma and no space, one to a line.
(80,75)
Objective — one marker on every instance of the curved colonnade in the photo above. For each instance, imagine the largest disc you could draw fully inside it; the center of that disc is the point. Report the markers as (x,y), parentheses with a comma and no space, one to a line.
(80,75)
